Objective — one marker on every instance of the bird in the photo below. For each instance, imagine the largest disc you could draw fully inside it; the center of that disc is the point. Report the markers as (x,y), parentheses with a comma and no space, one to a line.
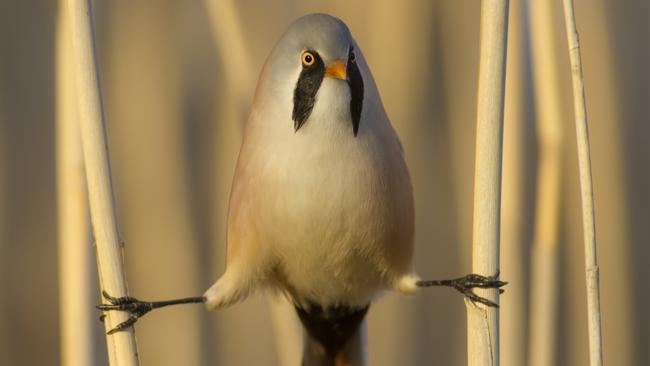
(321,207)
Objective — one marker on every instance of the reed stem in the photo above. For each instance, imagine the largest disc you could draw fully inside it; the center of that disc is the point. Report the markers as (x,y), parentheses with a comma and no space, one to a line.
(586,188)
(483,321)
(76,313)
(121,346)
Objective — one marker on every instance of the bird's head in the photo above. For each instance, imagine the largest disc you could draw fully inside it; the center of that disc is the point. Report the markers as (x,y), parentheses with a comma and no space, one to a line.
(316,65)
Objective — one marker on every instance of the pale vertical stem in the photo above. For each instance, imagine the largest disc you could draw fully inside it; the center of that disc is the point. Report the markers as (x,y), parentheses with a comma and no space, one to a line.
(515,205)
(75,310)
(586,188)
(287,330)
(604,53)
(121,346)
(483,322)
(544,271)
(231,45)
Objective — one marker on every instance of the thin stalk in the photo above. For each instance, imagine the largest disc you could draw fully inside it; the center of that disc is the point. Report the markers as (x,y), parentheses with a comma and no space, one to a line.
(121,346)
(516,205)
(231,45)
(544,278)
(586,188)
(76,313)
(483,321)
(287,331)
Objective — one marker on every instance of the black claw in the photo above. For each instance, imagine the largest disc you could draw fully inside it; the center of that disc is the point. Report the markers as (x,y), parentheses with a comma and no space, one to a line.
(133,306)
(123,325)
(464,285)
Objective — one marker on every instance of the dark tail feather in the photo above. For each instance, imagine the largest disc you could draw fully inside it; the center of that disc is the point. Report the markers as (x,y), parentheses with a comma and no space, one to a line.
(330,329)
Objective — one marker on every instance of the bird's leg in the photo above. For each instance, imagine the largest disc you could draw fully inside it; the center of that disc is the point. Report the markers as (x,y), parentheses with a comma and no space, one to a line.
(137,308)
(465,285)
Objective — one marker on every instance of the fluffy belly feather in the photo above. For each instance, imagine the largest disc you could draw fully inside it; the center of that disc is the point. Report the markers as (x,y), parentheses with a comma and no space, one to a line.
(336,226)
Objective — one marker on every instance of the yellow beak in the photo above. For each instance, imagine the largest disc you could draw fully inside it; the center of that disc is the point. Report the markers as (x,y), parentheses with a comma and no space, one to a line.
(336,70)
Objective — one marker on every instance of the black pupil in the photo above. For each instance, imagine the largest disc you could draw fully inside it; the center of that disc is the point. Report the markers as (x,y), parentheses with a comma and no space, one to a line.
(308,58)
(352,58)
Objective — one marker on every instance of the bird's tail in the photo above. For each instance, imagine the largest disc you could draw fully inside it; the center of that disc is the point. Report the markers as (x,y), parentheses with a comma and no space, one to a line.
(334,336)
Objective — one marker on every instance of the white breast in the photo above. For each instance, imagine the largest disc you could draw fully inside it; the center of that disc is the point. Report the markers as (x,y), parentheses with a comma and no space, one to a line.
(328,216)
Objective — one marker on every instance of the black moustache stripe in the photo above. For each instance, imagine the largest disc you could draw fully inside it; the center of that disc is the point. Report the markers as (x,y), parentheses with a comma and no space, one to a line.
(309,82)
(355,81)
(304,96)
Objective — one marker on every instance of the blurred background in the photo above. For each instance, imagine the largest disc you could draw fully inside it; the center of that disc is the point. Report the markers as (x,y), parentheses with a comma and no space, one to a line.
(177,80)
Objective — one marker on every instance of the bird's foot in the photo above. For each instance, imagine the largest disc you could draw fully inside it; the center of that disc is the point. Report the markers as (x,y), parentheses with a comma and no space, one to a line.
(465,285)
(133,306)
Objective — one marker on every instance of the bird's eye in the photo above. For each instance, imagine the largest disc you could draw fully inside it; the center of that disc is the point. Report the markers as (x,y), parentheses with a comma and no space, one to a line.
(308,58)
(352,57)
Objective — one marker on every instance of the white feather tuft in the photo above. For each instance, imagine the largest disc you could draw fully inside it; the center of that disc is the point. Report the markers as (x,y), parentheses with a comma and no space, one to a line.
(407,284)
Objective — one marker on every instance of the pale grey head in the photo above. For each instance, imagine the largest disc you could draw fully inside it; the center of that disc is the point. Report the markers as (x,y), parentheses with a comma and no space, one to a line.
(314,47)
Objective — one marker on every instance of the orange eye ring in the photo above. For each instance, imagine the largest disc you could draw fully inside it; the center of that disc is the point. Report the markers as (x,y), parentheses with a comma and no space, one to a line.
(308,58)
